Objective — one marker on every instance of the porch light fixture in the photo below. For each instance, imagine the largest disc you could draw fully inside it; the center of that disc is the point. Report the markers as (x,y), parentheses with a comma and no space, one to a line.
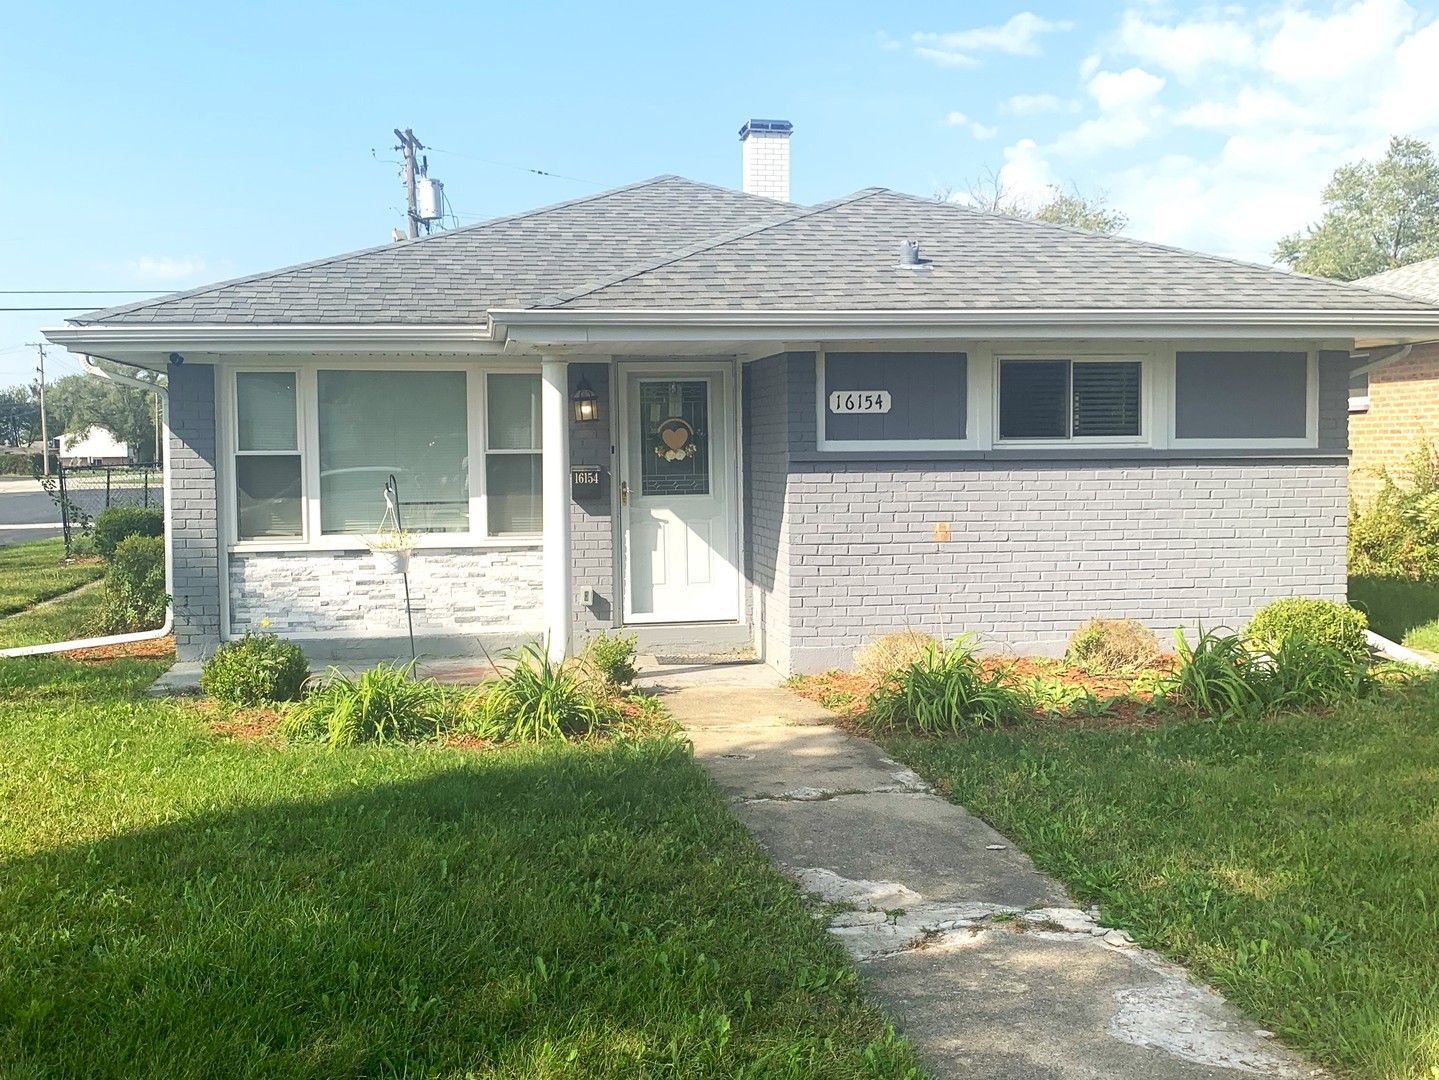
(586,403)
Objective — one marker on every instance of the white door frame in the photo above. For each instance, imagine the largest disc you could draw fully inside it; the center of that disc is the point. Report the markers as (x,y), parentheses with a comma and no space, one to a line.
(729,370)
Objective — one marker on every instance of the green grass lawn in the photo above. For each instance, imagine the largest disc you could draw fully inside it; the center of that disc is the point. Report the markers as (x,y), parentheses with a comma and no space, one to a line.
(1293,862)
(66,618)
(1403,611)
(181,904)
(36,570)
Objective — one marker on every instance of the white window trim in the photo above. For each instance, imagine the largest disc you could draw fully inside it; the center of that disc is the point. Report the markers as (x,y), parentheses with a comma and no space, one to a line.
(1358,403)
(306,385)
(1309,441)
(1157,389)
(1084,355)
(969,442)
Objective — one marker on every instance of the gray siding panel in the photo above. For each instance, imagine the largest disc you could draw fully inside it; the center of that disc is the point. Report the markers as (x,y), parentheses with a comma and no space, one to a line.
(927,390)
(1256,395)
(194,535)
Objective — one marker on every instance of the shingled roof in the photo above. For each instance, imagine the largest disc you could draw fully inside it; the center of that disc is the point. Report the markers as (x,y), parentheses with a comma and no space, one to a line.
(674,244)
(1420,280)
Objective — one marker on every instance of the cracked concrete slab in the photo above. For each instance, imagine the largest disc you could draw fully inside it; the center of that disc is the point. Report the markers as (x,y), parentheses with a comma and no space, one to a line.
(986,964)
(931,845)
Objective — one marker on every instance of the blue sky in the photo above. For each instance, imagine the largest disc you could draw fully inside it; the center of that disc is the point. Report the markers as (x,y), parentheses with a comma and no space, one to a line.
(160,146)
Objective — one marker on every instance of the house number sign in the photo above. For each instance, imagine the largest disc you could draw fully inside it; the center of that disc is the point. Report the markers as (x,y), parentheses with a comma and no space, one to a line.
(859,401)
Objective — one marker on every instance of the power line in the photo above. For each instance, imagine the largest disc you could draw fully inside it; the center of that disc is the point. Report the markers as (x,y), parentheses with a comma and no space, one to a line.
(518,168)
(72,307)
(77,292)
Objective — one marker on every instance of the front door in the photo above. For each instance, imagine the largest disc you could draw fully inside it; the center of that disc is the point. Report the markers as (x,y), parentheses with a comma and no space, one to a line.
(678,508)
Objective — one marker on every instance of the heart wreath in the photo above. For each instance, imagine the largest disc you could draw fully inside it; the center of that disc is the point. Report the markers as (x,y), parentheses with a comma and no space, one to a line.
(675,440)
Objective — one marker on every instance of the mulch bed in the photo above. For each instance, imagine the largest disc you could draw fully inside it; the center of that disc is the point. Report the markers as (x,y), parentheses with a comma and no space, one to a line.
(845,692)
(153,649)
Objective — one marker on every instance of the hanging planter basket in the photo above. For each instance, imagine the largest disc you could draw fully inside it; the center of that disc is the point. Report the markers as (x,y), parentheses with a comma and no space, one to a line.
(392,560)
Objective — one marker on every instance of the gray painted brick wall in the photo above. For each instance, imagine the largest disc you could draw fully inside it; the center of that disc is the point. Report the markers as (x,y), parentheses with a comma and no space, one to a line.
(592,541)
(193,531)
(1036,547)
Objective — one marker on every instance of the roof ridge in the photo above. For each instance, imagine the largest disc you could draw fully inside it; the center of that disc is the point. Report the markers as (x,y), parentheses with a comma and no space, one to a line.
(680,254)
(1135,241)
(393,245)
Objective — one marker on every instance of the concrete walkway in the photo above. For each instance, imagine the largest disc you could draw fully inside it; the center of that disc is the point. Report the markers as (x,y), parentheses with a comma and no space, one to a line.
(985,962)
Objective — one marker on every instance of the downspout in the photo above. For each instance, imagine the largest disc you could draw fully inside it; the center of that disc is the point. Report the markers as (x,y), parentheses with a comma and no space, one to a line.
(91,368)
(1382,362)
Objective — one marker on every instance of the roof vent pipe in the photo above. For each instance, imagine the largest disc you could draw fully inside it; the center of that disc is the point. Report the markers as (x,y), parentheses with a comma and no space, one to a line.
(909,256)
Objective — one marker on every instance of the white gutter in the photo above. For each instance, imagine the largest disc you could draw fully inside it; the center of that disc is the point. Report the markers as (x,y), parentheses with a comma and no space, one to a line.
(581,326)
(155,341)
(143,635)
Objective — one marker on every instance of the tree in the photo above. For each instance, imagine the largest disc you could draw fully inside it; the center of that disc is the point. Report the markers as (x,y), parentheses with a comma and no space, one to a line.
(19,416)
(1377,216)
(1092,213)
(78,402)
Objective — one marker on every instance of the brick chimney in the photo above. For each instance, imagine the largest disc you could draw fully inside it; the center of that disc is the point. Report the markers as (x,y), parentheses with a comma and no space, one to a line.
(764,145)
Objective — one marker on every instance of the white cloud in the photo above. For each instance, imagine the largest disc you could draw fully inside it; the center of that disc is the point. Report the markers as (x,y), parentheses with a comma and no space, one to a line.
(980,131)
(1187,49)
(1026,173)
(1124,90)
(1035,104)
(954,119)
(886,42)
(163,269)
(1307,48)
(1017,37)
(1127,113)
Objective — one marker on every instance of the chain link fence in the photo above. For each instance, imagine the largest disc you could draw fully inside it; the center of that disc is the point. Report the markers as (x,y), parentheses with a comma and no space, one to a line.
(82,491)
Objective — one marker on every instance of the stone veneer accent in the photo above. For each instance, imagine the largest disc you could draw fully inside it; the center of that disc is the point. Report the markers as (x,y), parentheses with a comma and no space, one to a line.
(455,592)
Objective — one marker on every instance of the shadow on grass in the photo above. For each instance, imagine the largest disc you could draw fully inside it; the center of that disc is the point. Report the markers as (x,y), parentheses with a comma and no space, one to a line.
(1399,609)
(547,913)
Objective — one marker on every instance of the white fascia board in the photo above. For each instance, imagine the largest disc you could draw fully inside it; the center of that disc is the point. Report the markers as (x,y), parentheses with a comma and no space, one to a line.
(152,342)
(590,327)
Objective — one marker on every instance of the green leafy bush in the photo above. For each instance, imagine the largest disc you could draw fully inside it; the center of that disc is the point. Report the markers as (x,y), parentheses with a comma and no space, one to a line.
(613,657)
(945,691)
(538,700)
(255,670)
(20,464)
(384,704)
(1226,675)
(882,657)
(117,523)
(1112,647)
(1337,625)
(1397,534)
(135,597)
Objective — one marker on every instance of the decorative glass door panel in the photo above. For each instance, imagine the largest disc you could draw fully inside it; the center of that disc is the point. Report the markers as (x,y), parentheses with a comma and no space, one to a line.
(674,422)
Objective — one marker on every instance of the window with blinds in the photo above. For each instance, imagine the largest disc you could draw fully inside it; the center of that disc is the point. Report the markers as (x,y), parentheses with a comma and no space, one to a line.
(1070,399)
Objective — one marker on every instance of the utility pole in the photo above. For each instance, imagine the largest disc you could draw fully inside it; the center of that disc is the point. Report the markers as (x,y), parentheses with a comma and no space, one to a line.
(408,146)
(44,430)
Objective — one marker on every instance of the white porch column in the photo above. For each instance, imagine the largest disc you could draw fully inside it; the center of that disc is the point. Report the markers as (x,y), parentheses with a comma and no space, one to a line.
(555,477)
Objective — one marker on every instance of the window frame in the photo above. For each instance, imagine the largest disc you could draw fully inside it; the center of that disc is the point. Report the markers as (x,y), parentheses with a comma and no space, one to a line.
(306,371)
(1147,378)
(971,412)
(233,415)
(1308,441)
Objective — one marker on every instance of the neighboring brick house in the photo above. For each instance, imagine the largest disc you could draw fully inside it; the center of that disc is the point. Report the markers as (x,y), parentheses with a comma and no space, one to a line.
(1397,404)
(719,419)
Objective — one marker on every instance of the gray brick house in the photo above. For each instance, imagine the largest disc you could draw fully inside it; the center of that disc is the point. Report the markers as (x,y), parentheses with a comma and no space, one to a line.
(809,425)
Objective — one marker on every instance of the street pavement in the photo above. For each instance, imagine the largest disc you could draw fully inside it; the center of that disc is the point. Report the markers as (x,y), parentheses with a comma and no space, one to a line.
(26,511)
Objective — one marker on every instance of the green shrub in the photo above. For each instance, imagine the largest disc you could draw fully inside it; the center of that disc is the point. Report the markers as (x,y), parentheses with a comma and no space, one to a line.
(1112,647)
(882,657)
(384,704)
(943,692)
(1397,534)
(613,657)
(1336,625)
(538,700)
(1226,675)
(135,597)
(19,464)
(116,523)
(255,670)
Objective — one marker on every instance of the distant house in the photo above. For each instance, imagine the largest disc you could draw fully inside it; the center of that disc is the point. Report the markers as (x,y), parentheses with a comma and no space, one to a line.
(722,420)
(94,446)
(1396,404)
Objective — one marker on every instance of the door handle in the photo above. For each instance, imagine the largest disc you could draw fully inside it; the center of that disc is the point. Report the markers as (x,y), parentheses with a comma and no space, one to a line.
(624,493)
